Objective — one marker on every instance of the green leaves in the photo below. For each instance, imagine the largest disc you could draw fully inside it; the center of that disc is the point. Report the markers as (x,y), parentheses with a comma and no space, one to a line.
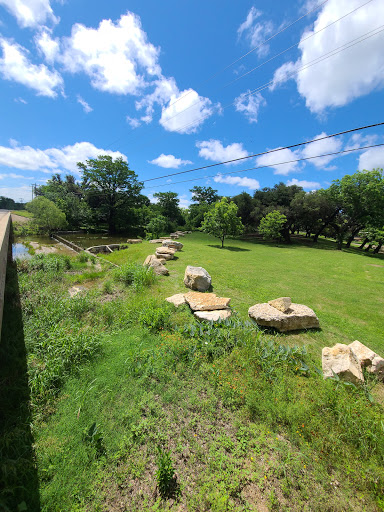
(222,220)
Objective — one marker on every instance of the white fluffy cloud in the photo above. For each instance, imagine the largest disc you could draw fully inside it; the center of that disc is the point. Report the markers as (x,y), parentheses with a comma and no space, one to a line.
(283,155)
(15,66)
(307,185)
(256,32)
(116,56)
(22,193)
(30,13)
(52,159)
(373,158)
(86,107)
(245,182)
(169,161)
(215,151)
(47,46)
(186,111)
(352,73)
(250,105)
(322,147)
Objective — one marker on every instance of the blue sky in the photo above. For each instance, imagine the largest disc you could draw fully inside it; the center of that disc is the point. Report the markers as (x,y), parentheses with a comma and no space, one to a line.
(155,82)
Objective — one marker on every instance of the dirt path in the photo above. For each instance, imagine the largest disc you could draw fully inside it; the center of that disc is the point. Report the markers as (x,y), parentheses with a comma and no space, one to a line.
(19,219)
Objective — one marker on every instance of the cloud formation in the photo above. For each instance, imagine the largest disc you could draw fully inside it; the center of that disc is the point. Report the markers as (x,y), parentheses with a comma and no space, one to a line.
(215,151)
(249,105)
(16,66)
(169,161)
(245,182)
(307,185)
(349,74)
(30,13)
(256,32)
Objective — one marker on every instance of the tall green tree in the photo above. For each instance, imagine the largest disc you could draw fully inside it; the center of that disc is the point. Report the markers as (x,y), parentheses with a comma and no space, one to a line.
(221,220)
(272,225)
(204,195)
(47,216)
(168,205)
(110,186)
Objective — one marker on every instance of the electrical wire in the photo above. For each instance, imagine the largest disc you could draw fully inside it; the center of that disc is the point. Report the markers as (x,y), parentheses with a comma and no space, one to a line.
(267,152)
(266,166)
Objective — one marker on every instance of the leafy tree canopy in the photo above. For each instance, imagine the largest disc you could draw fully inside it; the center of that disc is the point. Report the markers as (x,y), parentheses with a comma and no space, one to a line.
(221,220)
(271,226)
(204,195)
(47,215)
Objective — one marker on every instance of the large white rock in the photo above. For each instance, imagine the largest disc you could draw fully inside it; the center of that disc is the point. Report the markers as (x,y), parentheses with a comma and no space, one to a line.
(364,354)
(298,317)
(342,361)
(156,264)
(197,278)
(164,256)
(206,301)
(213,316)
(165,250)
(177,299)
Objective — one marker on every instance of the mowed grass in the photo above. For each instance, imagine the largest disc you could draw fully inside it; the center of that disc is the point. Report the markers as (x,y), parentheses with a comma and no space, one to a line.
(345,288)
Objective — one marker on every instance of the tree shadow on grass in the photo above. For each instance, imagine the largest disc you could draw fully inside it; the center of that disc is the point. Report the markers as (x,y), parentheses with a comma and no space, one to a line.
(19,489)
(227,248)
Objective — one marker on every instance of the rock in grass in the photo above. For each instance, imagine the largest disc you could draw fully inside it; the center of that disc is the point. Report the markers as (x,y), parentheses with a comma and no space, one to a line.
(213,316)
(156,264)
(282,303)
(298,317)
(164,256)
(173,244)
(377,367)
(155,241)
(342,361)
(177,299)
(364,354)
(197,278)
(206,301)
(134,241)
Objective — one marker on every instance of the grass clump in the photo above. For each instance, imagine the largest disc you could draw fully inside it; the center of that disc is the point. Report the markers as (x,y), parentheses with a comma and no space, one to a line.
(135,275)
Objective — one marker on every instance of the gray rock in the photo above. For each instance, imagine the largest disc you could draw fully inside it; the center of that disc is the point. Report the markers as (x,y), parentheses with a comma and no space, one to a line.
(297,317)
(173,244)
(377,367)
(197,278)
(342,361)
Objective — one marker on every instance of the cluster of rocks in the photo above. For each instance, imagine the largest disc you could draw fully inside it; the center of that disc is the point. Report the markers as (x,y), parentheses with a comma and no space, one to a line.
(284,315)
(164,253)
(348,361)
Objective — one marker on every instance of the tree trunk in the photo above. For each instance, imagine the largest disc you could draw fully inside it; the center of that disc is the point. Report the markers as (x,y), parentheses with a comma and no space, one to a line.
(366,240)
(352,237)
(377,249)
(222,242)
(367,249)
(326,223)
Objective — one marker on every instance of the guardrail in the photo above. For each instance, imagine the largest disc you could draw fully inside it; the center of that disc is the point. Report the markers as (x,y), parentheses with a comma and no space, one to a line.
(5,256)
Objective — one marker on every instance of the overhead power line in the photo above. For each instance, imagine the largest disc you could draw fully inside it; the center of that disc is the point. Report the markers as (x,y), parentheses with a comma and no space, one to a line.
(266,152)
(266,166)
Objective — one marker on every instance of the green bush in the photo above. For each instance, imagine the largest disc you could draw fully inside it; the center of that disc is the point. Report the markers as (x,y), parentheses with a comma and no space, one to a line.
(45,262)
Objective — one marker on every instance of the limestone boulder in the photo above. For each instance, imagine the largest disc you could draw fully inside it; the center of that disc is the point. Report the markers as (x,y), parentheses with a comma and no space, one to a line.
(134,241)
(164,256)
(364,354)
(159,268)
(206,301)
(155,241)
(342,361)
(213,316)
(165,250)
(148,259)
(177,299)
(282,303)
(197,278)
(173,244)
(298,317)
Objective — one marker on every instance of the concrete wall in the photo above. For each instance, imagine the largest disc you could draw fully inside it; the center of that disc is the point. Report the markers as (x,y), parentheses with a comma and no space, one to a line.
(5,252)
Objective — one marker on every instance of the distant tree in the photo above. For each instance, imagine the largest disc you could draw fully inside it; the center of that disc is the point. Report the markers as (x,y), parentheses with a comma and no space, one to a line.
(204,195)
(272,225)
(110,185)
(168,205)
(47,216)
(221,220)
(245,204)
(6,203)
(156,226)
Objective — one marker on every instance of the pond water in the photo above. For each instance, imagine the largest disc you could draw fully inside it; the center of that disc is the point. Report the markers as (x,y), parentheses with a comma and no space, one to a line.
(20,248)
(86,240)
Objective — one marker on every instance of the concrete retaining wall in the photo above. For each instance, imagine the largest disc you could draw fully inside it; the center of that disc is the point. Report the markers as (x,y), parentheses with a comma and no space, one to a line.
(5,254)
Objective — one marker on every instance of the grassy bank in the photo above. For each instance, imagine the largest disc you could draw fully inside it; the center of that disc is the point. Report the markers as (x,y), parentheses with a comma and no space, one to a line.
(136,406)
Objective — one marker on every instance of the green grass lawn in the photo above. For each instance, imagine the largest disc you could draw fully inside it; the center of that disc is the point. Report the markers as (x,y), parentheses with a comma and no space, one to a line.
(23,213)
(245,422)
(345,288)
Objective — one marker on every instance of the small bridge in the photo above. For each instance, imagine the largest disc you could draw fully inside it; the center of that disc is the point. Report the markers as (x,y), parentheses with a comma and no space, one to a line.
(5,254)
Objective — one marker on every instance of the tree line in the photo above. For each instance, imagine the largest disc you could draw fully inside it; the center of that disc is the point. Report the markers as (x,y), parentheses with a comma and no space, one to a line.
(109,196)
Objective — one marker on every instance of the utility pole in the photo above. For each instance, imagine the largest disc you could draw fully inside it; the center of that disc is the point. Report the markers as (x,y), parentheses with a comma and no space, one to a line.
(34,185)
